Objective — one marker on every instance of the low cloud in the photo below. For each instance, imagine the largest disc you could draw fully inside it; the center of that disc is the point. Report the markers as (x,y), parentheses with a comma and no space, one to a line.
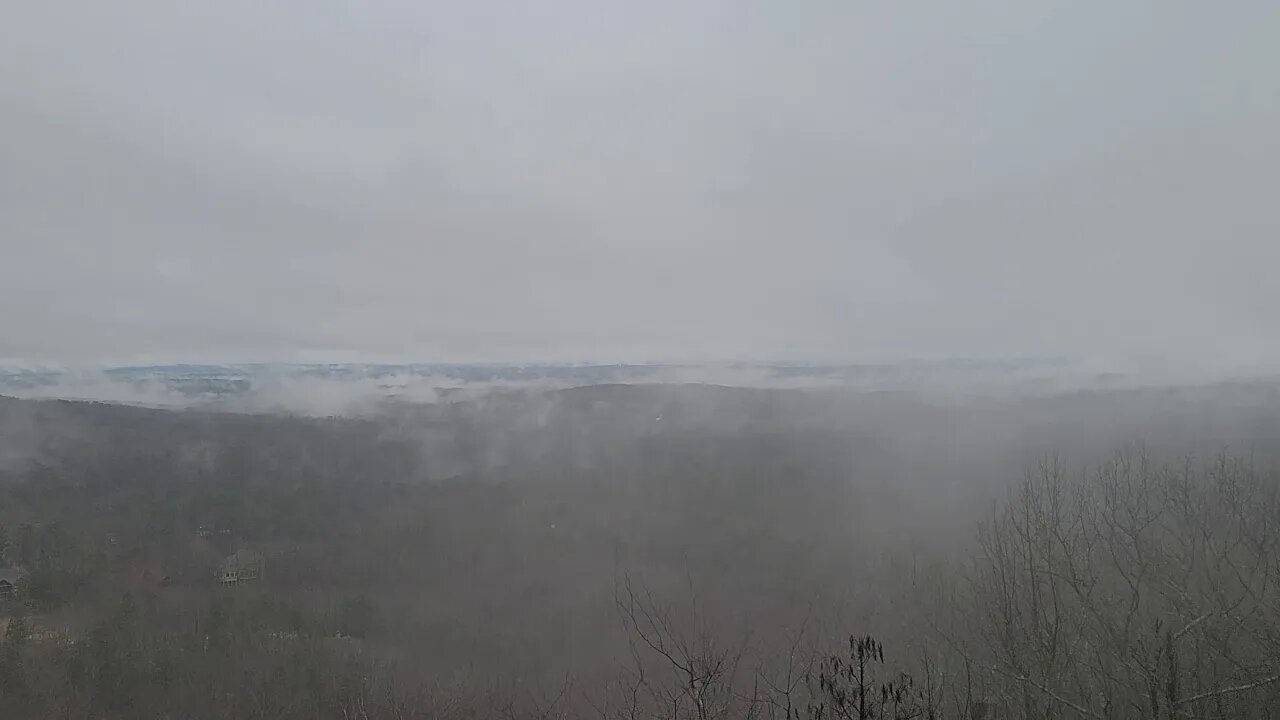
(359,390)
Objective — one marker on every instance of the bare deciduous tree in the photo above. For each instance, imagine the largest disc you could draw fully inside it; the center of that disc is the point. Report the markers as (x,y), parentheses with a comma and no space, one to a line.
(1137,590)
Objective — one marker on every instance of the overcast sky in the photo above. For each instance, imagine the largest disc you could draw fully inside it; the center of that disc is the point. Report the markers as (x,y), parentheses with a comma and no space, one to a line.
(594,180)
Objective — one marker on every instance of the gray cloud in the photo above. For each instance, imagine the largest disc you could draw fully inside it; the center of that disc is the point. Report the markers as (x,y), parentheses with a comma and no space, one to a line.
(691,181)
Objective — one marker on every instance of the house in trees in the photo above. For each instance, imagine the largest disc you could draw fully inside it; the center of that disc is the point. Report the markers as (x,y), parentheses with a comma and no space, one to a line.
(241,566)
(9,578)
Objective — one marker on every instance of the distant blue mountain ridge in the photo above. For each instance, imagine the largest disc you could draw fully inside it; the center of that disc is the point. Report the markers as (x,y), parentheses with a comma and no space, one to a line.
(219,381)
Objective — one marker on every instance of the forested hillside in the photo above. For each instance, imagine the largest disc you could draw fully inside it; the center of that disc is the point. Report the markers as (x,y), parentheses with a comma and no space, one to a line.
(646,551)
